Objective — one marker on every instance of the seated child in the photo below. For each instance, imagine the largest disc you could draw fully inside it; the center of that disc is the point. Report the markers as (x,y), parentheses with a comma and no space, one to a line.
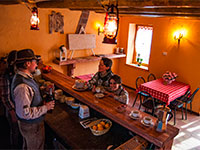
(116,90)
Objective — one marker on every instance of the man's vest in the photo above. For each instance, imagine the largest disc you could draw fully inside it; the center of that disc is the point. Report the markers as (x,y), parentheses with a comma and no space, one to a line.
(37,99)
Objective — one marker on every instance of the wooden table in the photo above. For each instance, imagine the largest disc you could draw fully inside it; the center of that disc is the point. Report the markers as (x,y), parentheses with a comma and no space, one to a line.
(165,93)
(107,106)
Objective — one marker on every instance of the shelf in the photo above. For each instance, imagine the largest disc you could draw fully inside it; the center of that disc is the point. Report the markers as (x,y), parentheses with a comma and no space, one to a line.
(88,59)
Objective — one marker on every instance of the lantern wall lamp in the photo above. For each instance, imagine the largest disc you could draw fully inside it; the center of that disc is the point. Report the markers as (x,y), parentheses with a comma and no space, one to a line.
(100,30)
(111,23)
(178,35)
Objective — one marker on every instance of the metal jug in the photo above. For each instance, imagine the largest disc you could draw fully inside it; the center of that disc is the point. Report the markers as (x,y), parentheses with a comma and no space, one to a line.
(163,114)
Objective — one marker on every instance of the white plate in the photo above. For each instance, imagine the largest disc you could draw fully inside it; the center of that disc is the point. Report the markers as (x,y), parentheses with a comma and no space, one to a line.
(130,115)
(99,95)
(147,125)
(79,89)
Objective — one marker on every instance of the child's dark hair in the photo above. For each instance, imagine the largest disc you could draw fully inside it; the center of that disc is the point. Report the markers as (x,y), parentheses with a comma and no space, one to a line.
(107,62)
(116,78)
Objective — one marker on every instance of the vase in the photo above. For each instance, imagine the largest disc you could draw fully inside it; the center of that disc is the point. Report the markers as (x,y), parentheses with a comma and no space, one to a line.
(167,82)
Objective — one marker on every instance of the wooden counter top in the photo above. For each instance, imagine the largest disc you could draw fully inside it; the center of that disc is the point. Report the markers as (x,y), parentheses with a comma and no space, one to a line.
(64,121)
(107,106)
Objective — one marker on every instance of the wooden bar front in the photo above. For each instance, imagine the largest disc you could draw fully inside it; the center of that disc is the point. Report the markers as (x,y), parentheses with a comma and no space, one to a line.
(107,105)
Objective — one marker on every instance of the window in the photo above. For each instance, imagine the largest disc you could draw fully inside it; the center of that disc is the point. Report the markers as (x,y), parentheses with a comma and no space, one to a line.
(139,44)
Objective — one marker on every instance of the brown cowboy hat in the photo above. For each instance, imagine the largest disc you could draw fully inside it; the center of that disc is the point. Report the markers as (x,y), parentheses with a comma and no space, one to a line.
(25,55)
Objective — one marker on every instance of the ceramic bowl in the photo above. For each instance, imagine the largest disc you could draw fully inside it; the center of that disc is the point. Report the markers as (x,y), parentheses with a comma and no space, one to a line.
(75,105)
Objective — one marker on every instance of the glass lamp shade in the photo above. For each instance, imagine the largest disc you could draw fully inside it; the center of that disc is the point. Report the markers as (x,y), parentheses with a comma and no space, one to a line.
(110,27)
(34,19)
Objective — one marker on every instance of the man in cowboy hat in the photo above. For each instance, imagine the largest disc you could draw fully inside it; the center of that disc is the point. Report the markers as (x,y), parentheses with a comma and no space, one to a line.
(29,106)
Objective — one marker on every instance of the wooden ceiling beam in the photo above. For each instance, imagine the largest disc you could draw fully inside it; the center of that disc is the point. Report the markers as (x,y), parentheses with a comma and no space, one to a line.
(94,3)
(133,3)
(168,7)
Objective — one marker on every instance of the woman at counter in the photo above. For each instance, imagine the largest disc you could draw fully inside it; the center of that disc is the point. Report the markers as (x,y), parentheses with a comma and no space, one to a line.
(101,78)
(116,90)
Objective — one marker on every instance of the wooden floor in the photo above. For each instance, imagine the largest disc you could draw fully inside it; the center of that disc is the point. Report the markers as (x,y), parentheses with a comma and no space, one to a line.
(187,139)
(189,135)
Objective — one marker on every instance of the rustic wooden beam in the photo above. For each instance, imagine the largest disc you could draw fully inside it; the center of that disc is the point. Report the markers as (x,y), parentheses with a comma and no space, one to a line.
(133,3)
(94,3)
(135,7)
(9,2)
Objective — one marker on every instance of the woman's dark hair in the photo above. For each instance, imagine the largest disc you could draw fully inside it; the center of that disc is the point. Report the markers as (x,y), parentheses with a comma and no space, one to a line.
(107,62)
(116,78)
(11,58)
(11,61)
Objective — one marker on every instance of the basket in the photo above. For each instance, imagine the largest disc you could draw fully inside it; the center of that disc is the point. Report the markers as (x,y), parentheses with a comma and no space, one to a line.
(97,132)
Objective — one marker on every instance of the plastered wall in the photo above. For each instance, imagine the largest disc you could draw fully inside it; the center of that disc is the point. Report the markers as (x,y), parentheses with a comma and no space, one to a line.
(182,58)
(15,33)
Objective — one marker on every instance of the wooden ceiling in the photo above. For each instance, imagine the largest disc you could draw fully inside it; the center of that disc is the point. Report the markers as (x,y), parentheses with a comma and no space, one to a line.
(188,8)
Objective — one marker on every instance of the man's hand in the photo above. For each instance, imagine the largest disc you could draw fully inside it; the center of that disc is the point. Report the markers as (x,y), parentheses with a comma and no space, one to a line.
(50,105)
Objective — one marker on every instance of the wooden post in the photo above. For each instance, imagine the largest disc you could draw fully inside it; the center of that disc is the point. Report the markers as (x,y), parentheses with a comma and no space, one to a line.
(70,69)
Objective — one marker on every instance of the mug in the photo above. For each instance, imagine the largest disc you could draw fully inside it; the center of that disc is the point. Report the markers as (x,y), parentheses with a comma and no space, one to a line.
(121,50)
(116,50)
(135,113)
(98,89)
(147,120)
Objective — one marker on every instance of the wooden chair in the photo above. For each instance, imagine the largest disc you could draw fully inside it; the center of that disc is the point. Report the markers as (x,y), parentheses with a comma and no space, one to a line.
(148,103)
(187,99)
(151,77)
(140,80)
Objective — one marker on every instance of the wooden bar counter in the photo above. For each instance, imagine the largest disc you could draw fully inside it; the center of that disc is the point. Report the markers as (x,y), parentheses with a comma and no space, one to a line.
(107,105)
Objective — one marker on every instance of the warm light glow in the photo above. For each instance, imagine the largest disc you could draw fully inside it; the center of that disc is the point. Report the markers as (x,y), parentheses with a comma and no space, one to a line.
(110,28)
(34,19)
(179,34)
(112,25)
(99,27)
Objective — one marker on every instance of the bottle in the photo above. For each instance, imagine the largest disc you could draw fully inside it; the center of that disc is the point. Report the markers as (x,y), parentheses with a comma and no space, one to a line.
(49,97)
(63,53)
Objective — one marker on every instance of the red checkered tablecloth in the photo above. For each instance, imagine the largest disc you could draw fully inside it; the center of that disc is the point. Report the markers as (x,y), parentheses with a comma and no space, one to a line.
(165,93)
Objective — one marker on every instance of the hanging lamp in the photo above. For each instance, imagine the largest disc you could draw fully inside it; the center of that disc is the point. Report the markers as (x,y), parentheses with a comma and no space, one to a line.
(34,19)
(111,25)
